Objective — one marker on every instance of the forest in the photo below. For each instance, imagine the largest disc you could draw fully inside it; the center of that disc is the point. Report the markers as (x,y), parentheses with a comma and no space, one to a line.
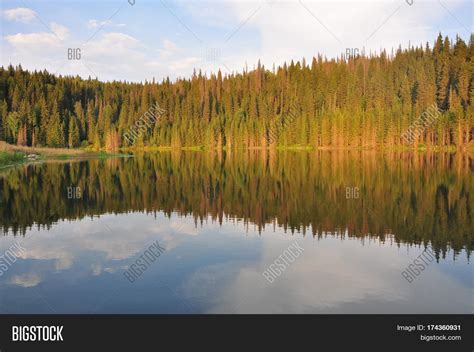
(404,198)
(367,101)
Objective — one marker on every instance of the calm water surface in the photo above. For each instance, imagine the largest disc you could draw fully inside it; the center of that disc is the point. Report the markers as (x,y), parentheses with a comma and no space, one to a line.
(361,218)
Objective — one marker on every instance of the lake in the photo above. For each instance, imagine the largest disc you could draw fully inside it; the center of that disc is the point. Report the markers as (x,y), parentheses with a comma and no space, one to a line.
(242,232)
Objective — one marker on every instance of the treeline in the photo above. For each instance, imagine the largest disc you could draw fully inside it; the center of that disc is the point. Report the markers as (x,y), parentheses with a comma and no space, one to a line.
(367,101)
(403,197)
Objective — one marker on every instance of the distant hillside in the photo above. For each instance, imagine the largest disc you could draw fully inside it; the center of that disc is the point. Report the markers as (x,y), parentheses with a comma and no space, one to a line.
(364,101)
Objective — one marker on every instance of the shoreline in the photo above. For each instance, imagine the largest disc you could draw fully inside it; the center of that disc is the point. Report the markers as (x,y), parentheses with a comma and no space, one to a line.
(449,149)
(13,155)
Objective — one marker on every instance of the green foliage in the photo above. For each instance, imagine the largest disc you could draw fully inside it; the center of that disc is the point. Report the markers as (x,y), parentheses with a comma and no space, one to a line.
(368,101)
(55,132)
(414,198)
(9,158)
(73,140)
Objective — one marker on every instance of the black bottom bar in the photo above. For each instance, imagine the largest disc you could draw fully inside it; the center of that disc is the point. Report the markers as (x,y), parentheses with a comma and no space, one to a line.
(295,332)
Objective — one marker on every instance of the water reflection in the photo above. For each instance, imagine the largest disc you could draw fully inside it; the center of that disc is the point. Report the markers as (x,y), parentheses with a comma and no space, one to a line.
(77,267)
(224,219)
(418,198)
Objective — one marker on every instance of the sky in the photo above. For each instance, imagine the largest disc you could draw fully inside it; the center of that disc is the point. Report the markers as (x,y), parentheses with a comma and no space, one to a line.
(138,40)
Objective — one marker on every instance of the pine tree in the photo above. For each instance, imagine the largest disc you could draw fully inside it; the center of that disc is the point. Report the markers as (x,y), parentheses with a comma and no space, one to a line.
(74,135)
(370,100)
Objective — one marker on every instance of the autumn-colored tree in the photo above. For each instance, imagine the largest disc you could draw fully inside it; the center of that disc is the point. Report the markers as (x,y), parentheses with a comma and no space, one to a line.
(369,101)
(112,141)
(74,135)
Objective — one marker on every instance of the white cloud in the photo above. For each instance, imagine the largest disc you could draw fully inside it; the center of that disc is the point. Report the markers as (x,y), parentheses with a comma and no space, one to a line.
(27,41)
(278,31)
(26,280)
(93,24)
(112,53)
(109,55)
(113,43)
(38,50)
(61,31)
(119,52)
(332,276)
(169,49)
(20,14)
(185,65)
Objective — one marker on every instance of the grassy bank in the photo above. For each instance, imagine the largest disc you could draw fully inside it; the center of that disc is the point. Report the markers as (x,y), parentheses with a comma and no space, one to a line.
(11,158)
(11,155)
